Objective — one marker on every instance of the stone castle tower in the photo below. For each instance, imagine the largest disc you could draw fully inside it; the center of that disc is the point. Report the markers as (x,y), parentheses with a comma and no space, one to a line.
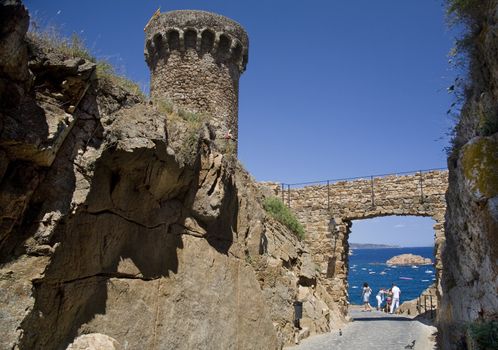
(196,59)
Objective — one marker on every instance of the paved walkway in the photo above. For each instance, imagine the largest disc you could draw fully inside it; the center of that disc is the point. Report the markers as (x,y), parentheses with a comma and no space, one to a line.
(374,330)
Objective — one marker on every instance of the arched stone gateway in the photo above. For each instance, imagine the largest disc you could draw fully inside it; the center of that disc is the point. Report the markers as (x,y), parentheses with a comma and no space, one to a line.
(327,210)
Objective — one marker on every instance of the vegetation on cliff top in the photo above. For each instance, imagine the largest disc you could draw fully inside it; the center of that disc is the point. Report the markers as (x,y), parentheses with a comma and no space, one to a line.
(74,47)
(277,209)
(468,10)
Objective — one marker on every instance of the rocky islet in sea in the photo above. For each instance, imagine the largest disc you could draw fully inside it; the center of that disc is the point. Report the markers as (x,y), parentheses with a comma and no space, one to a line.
(408,259)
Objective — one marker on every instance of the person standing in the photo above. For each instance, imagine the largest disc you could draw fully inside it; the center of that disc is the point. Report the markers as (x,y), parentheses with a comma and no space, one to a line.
(396,294)
(380,298)
(366,297)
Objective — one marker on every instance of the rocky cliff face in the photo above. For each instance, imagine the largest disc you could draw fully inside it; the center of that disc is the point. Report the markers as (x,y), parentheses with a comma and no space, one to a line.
(471,254)
(122,224)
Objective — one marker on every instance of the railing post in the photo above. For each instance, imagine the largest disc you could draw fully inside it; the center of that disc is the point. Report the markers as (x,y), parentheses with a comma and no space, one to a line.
(288,196)
(283,193)
(432,314)
(328,195)
(372,189)
(421,188)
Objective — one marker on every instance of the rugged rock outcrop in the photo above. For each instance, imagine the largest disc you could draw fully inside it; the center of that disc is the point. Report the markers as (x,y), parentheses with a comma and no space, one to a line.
(122,225)
(471,256)
(408,259)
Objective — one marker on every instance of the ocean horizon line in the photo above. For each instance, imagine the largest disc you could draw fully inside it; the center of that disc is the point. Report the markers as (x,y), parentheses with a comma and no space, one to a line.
(397,247)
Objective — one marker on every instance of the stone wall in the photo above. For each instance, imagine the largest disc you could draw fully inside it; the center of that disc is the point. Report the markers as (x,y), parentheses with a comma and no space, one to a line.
(196,59)
(470,280)
(327,212)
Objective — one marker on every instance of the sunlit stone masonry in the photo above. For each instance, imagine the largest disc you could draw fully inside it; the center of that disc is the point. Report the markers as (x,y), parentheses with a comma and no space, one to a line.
(196,59)
(327,210)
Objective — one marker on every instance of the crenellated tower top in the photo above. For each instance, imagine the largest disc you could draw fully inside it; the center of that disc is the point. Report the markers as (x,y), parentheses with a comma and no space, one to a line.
(205,32)
(196,59)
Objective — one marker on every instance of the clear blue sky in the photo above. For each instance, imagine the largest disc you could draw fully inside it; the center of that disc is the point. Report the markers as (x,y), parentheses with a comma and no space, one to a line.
(405,231)
(333,89)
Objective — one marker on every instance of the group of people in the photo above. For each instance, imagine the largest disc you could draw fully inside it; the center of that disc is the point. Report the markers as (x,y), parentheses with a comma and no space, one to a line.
(391,296)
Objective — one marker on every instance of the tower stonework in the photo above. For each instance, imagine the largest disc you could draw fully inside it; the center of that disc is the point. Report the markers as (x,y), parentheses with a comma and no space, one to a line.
(196,59)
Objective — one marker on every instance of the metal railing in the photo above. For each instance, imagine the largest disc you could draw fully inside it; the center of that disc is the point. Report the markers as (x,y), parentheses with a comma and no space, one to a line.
(287,188)
(425,306)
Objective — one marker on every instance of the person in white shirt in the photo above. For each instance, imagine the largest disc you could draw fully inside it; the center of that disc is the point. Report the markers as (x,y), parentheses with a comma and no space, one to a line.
(380,298)
(396,294)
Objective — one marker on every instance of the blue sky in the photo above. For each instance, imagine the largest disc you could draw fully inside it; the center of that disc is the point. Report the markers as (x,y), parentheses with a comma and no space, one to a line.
(405,231)
(333,89)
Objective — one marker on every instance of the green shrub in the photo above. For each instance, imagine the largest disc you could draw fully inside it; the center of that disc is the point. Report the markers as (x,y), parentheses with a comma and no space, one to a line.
(190,144)
(488,124)
(484,334)
(194,123)
(277,209)
(465,8)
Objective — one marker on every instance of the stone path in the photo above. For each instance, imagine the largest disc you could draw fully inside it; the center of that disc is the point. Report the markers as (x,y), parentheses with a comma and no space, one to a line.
(374,330)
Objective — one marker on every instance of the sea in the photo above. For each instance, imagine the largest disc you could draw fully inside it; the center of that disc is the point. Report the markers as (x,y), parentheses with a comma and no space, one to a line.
(369,265)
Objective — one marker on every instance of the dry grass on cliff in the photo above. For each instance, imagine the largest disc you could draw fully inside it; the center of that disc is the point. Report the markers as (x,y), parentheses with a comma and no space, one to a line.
(50,37)
(105,70)
(190,125)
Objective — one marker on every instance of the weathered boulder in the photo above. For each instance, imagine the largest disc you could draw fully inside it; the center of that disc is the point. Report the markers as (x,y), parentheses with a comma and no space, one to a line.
(94,341)
(408,259)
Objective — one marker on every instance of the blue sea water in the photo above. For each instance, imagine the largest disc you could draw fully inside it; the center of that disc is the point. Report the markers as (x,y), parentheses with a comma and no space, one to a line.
(366,265)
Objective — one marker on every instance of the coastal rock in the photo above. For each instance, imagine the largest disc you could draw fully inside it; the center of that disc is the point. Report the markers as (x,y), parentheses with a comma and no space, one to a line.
(408,259)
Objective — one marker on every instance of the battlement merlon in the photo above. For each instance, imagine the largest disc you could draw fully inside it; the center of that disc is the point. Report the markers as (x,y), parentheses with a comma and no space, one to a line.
(203,31)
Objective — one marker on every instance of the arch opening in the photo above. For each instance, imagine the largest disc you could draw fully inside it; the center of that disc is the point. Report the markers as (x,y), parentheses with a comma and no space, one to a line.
(373,241)
(173,40)
(237,52)
(224,47)
(190,39)
(207,41)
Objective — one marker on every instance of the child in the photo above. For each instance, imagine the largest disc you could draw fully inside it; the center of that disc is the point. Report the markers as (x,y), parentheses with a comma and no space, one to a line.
(380,298)
(389,298)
